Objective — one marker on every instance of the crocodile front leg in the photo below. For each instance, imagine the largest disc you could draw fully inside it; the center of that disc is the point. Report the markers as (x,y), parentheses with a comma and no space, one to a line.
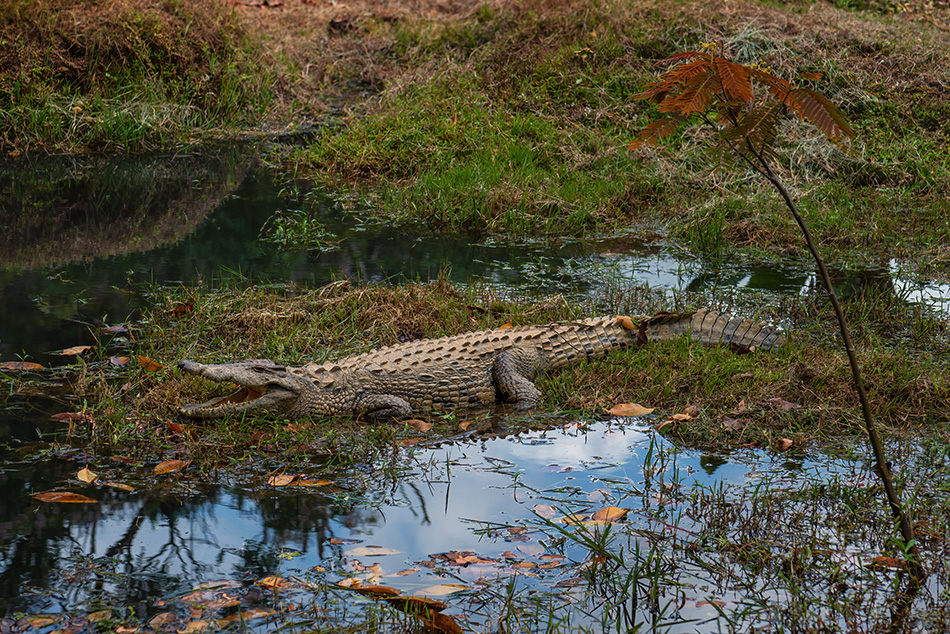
(383,407)
(514,371)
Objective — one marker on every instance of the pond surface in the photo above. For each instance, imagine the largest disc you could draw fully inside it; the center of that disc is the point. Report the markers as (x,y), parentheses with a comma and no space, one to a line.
(88,237)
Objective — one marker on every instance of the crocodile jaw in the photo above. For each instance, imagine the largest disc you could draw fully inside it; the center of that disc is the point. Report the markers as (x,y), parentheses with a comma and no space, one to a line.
(243,401)
(263,387)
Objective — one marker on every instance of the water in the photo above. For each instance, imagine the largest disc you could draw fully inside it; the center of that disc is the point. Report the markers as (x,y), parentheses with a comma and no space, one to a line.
(85,237)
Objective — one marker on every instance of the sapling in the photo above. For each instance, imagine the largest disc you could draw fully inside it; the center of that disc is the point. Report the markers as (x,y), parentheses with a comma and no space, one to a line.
(744,106)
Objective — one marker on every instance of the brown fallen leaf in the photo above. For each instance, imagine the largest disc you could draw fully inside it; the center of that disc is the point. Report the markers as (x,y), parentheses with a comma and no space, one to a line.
(609,514)
(545,510)
(441,590)
(732,424)
(629,409)
(780,404)
(784,444)
(668,421)
(182,308)
(149,365)
(73,351)
(886,563)
(176,428)
(114,330)
(86,475)
(720,604)
(169,466)
(282,480)
(66,497)
(195,627)
(119,485)
(272,583)
(418,424)
(73,416)
(20,366)
(442,623)
(371,551)
(164,618)
(119,362)
(691,410)
(374,590)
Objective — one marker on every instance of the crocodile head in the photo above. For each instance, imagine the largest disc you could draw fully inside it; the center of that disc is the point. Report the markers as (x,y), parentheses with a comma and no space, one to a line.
(263,387)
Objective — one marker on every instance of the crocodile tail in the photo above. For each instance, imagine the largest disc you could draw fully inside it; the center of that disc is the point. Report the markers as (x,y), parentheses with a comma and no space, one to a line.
(713,328)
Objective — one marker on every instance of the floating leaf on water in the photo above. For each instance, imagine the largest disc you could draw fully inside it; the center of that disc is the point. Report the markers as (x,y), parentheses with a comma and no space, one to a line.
(418,424)
(73,416)
(371,551)
(524,565)
(101,615)
(272,583)
(282,480)
(41,620)
(20,365)
(413,604)
(171,465)
(114,330)
(119,362)
(313,483)
(886,563)
(376,590)
(569,583)
(609,514)
(629,409)
(86,475)
(218,584)
(442,623)
(255,613)
(149,365)
(163,618)
(66,497)
(403,573)
(544,510)
(119,486)
(441,590)
(720,604)
(75,350)
(340,540)
(194,627)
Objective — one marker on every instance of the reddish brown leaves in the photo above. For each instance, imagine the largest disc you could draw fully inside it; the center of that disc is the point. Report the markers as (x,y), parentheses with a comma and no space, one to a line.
(723,93)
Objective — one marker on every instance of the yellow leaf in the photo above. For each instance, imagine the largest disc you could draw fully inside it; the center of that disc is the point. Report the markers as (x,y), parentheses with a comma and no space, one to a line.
(86,475)
(465,424)
(272,583)
(170,465)
(119,485)
(66,497)
(256,613)
(101,615)
(41,620)
(312,483)
(119,362)
(629,409)
(609,514)
(149,365)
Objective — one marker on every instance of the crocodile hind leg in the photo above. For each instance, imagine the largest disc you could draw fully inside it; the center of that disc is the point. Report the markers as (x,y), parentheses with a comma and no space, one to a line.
(383,407)
(513,372)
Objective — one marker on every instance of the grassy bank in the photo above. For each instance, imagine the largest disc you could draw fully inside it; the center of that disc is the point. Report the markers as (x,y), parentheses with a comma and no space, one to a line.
(802,392)
(127,75)
(515,121)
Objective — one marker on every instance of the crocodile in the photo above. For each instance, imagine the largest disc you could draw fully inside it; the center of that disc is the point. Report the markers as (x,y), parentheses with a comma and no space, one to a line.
(470,370)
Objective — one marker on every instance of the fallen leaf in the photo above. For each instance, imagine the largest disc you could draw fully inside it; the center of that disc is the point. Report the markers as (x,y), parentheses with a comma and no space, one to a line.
(126,630)
(119,485)
(176,428)
(629,409)
(609,514)
(413,604)
(720,604)
(66,497)
(74,416)
(568,583)
(407,442)
(371,551)
(114,330)
(441,590)
(41,620)
(272,583)
(170,465)
(313,483)
(886,563)
(161,619)
(524,565)
(370,589)
(182,308)
(101,615)
(465,424)
(403,573)
(282,480)
(668,421)
(119,362)
(418,425)
(149,365)
(681,418)
(780,404)
(86,475)
(255,613)
(442,623)
(195,627)
(784,444)
(75,350)
(732,424)
(20,365)
(544,510)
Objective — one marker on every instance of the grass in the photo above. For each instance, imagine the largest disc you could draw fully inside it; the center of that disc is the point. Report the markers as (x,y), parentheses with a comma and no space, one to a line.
(515,123)
(130,76)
